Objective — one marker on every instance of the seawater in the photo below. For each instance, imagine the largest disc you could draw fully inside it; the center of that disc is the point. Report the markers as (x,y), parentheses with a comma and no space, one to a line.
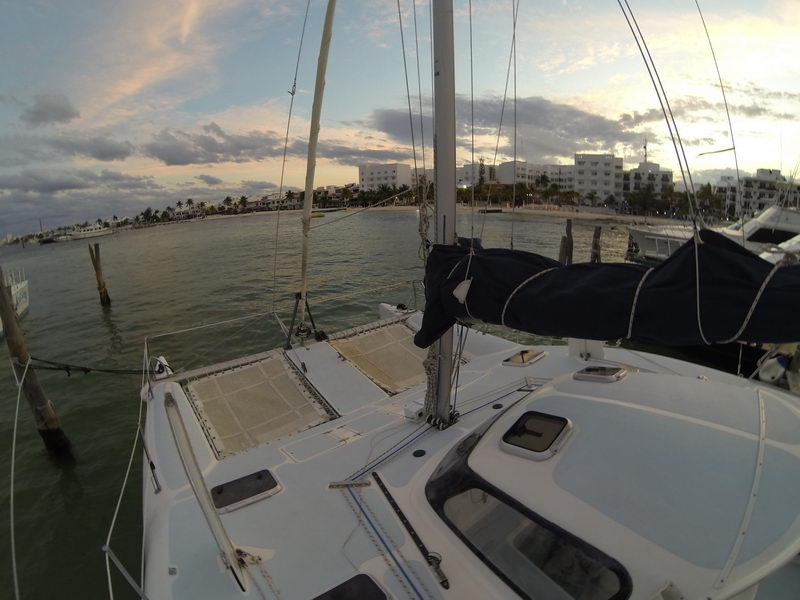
(176,277)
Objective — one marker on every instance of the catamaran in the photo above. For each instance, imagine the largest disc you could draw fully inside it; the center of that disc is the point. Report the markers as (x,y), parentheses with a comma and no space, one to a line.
(361,465)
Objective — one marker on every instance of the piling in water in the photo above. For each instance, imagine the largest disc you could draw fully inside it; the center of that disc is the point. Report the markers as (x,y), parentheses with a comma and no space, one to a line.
(105,299)
(44,413)
(595,255)
(565,252)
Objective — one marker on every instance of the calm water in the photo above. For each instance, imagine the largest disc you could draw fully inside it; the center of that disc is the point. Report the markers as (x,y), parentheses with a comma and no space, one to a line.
(164,279)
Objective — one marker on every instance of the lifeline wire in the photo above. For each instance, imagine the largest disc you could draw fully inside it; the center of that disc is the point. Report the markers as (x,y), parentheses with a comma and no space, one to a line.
(121,494)
(11,485)
(283,164)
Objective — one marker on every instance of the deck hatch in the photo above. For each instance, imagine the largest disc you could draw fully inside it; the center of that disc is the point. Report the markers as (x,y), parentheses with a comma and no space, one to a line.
(361,586)
(245,488)
(537,432)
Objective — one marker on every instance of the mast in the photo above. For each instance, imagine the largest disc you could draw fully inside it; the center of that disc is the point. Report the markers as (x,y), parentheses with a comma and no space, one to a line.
(444,142)
(313,136)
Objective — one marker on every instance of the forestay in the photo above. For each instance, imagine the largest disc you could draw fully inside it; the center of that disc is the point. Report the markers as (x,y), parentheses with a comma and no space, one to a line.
(713,291)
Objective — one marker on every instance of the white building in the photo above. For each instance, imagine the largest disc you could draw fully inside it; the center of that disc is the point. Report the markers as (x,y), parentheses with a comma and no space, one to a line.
(469,174)
(648,174)
(562,175)
(531,174)
(768,187)
(372,176)
(600,174)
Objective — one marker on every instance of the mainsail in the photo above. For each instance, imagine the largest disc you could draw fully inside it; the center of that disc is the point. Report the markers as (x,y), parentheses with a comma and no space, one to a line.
(713,291)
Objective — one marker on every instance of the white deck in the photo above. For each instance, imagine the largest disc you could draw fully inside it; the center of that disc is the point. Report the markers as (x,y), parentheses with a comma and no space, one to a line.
(620,483)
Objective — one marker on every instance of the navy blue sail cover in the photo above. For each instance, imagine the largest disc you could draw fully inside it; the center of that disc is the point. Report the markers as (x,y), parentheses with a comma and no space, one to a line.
(594,301)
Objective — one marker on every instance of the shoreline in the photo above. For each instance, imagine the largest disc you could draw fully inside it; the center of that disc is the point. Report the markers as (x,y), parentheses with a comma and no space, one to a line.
(551,211)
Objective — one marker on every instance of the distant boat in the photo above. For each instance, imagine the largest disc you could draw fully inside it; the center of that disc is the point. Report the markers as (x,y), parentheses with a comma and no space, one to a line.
(484,211)
(19,294)
(96,230)
(47,240)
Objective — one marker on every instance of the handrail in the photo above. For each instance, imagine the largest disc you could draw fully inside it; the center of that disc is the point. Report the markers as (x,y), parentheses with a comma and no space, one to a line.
(195,476)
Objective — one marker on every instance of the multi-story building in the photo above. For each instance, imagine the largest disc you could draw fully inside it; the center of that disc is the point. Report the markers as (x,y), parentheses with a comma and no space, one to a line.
(372,176)
(598,174)
(648,174)
(768,187)
(470,174)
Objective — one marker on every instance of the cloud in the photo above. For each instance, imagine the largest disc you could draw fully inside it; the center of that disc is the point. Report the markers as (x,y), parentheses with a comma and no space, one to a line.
(254,187)
(100,148)
(209,179)
(48,181)
(546,130)
(49,108)
(213,145)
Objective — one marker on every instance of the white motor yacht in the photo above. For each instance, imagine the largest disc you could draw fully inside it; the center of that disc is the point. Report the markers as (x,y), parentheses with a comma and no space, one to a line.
(772,226)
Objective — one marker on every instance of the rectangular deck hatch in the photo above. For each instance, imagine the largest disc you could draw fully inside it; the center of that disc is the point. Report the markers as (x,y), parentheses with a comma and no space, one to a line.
(245,488)
(538,433)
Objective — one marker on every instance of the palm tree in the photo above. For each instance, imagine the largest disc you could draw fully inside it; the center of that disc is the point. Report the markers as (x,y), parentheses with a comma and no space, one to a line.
(147,214)
(242,203)
(189,202)
(227,202)
(179,204)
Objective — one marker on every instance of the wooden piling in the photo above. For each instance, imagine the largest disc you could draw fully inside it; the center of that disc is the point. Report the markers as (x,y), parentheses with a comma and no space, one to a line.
(43,410)
(595,255)
(565,252)
(105,299)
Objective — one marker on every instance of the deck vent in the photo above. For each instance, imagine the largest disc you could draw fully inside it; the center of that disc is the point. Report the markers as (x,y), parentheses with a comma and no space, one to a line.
(537,435)
(523,358)
(361,586)
(600,374)
(242,491)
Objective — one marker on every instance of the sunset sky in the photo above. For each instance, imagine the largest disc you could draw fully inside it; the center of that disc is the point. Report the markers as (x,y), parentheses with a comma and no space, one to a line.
(107,108)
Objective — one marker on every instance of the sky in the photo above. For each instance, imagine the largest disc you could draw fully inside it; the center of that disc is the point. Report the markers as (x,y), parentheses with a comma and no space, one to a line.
(109,107)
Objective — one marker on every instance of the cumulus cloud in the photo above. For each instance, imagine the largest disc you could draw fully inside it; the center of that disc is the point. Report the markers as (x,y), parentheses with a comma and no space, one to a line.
(209,179)
(100,148)
(49,181)
(213,145)
(548,130)
(49,108)
(253,187)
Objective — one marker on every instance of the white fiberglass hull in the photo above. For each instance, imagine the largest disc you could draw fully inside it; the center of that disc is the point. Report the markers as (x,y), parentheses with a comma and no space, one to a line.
(657,472)
(80,235)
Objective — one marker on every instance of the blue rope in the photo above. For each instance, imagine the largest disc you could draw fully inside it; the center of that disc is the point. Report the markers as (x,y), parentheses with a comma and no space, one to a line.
(385,545)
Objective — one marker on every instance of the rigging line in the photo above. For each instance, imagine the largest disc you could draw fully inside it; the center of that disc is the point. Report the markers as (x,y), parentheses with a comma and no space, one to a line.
(514,53)
(728,113)
(12,532)
(360,210)
(206,325)
(695,237)
(408,97)
(663,109)
(669,109)
(499,128)
(283,164)
(419,89)
(408,91)
(121,494)
(472,133)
